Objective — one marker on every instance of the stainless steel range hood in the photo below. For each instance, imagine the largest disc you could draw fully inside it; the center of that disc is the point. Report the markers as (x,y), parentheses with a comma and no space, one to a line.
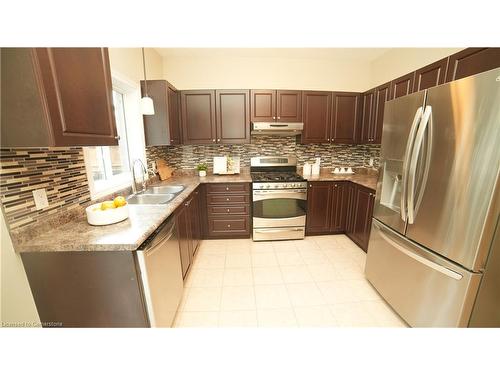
(277,128)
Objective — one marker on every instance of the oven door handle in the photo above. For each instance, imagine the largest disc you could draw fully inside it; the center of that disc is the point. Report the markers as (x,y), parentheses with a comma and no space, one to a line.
(261,196)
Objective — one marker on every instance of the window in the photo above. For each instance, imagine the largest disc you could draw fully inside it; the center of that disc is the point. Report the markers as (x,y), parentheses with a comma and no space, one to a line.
(109,167)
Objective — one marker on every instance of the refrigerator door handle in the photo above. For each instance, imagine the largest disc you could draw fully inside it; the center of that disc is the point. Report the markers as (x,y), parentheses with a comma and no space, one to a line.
(418,258)
(413,163)
(406,161)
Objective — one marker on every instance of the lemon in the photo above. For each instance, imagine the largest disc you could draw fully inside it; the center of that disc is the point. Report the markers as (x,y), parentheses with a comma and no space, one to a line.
(107,204)
(119,201)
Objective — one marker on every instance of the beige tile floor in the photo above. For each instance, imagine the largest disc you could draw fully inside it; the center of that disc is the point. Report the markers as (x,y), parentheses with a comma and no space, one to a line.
(315,282)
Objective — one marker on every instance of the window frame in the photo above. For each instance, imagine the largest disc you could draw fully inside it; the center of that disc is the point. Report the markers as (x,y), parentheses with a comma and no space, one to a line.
(133,124)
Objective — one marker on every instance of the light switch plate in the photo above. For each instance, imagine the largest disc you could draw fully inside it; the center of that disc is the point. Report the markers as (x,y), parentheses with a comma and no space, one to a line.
(40,196)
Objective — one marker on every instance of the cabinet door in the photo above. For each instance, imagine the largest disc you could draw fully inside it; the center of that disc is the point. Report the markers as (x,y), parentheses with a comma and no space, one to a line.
(194,219)
(430,75)
(367,116)
(263,105)
(382,94)
(402,86)
(184,235)
(363,206)
(472,61)
(319,199)
(198,116)
(345,116)
(233,116)
(162,128)
(78,92)
(350,189)
(174,120)
(288,106)
(338,207)
(316,113)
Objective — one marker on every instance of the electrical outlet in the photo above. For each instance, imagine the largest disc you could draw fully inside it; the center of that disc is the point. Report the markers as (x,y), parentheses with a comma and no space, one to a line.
(40,197)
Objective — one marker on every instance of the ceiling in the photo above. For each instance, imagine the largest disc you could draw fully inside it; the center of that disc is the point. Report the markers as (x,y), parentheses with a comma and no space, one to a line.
(364,54)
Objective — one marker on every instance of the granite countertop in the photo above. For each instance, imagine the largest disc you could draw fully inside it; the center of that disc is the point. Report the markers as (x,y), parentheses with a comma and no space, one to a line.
(78,235)
(365,179)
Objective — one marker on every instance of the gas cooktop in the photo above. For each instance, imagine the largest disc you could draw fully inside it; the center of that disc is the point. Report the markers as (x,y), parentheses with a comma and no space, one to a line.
(276,177)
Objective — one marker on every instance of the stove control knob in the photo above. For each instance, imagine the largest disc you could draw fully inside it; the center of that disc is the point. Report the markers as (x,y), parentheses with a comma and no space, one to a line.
(268,186)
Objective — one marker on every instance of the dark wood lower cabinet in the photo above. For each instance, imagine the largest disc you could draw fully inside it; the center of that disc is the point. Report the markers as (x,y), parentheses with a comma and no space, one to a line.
(360,215)
(340,207)
(228,210)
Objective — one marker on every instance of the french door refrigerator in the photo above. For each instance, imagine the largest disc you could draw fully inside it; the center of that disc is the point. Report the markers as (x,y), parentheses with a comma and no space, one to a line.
(438,201)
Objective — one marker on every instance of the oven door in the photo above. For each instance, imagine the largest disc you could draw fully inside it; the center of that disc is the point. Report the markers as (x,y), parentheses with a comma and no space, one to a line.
(283,208)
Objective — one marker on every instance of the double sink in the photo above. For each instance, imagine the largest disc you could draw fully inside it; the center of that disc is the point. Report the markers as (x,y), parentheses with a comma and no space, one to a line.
(156,195)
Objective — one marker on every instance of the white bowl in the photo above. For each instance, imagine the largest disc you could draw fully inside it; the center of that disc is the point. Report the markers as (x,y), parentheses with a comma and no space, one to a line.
(106,217)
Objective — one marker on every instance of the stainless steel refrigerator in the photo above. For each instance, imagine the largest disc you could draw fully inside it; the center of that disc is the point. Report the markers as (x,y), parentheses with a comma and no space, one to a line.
(437,204)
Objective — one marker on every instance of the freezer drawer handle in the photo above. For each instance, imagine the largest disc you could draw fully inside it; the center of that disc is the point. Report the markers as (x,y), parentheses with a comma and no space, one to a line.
(418,258)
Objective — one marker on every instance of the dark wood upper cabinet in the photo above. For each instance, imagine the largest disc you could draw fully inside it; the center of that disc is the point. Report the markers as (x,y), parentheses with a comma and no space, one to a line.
(367,116)
(288,106)
(198,117)
(345,116)
(430,75)
(316,113)
(162,128)
(402,86)
(56,97)
(263,105)
(233,116)
(276,105)
(382,94)
(472,61)
(319,199)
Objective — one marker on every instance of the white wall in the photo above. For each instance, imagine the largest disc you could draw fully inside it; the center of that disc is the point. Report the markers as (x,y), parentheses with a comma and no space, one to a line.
(128,62)
(319,70)
(400,61)
(17,304)
(222,72)
(127,71)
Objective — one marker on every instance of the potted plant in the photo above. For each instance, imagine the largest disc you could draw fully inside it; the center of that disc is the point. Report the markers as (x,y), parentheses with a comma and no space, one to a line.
(202,169)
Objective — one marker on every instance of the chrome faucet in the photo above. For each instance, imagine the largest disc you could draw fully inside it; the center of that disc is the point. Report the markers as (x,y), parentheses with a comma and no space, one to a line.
(144,176)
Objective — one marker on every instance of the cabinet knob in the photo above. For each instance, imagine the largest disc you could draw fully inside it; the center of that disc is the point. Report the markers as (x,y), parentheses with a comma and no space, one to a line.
(213,140)
(279,117)
(335,185)
(227,199)
(274,117)
(218,140)
(333,139)
(227,188)
(310,185)
(229,225)
(117,137)
(228,210)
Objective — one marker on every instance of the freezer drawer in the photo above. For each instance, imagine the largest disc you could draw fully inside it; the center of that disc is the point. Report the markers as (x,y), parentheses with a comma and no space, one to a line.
(425,290)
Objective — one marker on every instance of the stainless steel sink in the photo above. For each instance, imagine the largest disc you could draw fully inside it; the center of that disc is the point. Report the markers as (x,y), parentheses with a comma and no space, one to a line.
(172,189)
(150,198)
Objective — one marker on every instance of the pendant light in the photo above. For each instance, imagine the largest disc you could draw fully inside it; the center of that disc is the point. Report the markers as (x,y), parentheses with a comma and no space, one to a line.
(147,107)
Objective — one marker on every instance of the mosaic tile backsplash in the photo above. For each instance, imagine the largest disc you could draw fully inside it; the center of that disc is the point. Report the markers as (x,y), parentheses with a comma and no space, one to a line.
(332,155)
(59,170)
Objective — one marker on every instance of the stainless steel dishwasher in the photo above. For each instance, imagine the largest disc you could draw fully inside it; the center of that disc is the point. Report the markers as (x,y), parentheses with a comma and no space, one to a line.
(161,274)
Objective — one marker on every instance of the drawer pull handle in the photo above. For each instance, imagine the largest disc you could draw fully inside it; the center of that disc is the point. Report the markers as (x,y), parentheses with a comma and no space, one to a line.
(228,210)
(229,225)
(227,187)
(227,199)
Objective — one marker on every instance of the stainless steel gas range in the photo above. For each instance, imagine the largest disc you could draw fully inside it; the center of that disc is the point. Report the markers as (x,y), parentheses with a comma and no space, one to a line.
(279,199)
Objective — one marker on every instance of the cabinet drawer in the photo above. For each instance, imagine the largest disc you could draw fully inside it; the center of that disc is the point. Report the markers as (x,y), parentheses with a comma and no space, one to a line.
(228,188)
(227,226)
(220,199)
(229,210)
